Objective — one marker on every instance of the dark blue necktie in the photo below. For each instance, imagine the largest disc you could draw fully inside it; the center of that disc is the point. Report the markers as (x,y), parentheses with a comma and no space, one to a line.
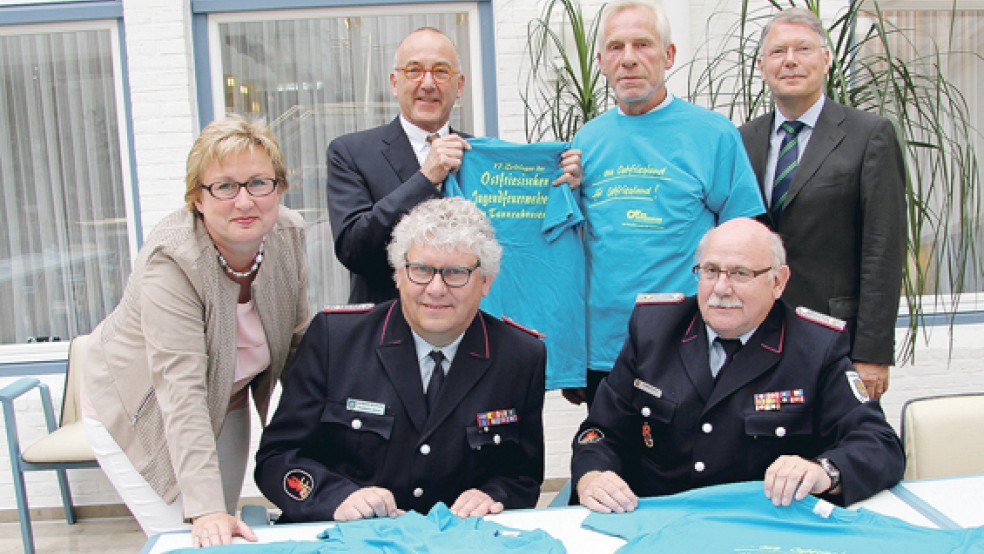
(731,347)
(436,380)
(786,167)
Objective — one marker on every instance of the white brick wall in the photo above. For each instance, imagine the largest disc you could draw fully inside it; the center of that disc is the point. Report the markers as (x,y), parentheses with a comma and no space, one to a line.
(164,107)
(158,41)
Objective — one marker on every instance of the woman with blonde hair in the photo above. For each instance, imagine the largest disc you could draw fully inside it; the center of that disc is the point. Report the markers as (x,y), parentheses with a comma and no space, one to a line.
(213,309)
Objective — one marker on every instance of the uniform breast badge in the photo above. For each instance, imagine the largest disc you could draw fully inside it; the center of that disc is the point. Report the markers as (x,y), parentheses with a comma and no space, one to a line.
(496,417)
(772,401)
(647,434)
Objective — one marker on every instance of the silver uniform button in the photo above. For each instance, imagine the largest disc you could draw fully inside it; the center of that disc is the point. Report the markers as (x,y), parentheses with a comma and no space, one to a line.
(646,412)
(699,467)
(707,428)
(425,449)
(357,424)
(780,432)
(418,492)
(497,439)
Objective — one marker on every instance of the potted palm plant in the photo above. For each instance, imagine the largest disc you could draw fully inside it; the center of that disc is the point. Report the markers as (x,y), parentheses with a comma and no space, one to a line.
(563,86)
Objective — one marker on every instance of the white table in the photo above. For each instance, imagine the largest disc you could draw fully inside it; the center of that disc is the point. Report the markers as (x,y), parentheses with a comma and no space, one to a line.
(959,500)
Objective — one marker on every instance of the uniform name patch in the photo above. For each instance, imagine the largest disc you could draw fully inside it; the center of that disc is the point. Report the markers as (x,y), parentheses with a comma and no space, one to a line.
(857,386)
(771,401)
(298,484)
(365,406)
(647,388)
(590,436)
(347,308)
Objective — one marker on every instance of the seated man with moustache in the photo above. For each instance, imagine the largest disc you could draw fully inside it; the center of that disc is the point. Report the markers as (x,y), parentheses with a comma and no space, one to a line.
(733,385)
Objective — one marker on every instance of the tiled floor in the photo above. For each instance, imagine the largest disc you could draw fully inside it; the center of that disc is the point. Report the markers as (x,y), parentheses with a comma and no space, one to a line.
(96,535)
(102,535)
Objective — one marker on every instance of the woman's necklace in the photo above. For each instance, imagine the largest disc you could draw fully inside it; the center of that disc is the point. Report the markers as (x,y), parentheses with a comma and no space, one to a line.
(242,274)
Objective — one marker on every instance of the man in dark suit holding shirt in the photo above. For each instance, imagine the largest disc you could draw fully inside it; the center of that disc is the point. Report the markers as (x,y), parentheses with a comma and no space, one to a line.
(377,176)
(834,180)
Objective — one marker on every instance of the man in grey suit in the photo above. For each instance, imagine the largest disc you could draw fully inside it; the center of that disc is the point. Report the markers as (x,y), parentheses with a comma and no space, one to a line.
(376,176)
(834,180)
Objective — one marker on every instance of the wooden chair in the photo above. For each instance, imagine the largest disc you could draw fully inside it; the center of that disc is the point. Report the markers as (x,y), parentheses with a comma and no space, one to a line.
(943,436)
(64,447)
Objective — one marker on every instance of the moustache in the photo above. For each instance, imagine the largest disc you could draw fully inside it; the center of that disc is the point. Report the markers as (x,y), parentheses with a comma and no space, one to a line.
(717,301)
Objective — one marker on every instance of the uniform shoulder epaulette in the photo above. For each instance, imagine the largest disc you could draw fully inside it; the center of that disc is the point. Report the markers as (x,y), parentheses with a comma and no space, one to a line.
(347,308)
(647,298)
(822,319)
(533,332)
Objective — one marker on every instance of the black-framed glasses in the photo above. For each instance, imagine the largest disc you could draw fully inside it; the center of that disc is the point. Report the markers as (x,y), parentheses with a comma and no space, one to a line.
(735,274)
(453,276)
(227,190)
(415,72)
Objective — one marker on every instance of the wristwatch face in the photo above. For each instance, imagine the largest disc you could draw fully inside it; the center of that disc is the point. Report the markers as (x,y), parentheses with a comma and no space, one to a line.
(831,470)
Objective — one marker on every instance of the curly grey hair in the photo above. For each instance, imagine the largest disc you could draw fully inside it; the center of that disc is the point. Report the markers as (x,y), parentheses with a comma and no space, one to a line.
(449,224)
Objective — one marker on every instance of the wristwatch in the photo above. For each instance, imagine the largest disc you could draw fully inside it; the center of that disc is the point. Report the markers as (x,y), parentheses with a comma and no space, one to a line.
(831,470)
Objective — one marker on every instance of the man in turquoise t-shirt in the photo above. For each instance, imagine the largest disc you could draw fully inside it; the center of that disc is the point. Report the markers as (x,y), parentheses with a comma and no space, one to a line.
(658,173)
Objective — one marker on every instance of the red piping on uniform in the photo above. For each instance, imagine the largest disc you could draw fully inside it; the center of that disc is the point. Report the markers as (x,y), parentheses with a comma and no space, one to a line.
(386,321)
(486,333)
(782,335)
(687,337)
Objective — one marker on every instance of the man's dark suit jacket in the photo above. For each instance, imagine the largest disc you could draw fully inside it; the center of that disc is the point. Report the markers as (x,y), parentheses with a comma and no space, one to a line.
(665,425)
(844,223)
(353,414)
(374,179)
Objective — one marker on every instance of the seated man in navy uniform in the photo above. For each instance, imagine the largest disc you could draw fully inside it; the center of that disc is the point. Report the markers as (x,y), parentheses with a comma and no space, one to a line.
(415,401)
(733,385)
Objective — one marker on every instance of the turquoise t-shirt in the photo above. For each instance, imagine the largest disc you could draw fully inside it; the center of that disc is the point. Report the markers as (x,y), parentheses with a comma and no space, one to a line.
(739,518)
(541,282)
(438,532)
(653,185)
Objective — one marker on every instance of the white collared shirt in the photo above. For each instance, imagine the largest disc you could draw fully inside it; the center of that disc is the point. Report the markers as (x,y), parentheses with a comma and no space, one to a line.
(809,117)
(418,138)
(426,363)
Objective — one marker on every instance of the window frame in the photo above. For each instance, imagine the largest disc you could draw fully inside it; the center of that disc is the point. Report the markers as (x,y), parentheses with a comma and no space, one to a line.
(60,16)
(208,14)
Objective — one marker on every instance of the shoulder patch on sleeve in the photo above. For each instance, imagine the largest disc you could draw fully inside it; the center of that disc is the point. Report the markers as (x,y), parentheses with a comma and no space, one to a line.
(821,319)
(533,332)
(590,436)
(347,308)
(857,386)
(659,298)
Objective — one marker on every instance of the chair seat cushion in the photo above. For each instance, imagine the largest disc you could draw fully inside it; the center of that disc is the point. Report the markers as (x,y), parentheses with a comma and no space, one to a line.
(67,444)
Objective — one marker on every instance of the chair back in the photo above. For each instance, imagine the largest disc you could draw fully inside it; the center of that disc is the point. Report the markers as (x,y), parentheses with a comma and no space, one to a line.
(71,408)
(943,436)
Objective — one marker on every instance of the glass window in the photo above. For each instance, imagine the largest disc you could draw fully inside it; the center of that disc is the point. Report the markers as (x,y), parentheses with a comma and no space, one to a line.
(318,74)
(959,34)
(64,239)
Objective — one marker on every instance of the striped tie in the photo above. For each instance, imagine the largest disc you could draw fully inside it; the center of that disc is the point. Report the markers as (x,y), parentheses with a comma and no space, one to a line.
(786,167)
